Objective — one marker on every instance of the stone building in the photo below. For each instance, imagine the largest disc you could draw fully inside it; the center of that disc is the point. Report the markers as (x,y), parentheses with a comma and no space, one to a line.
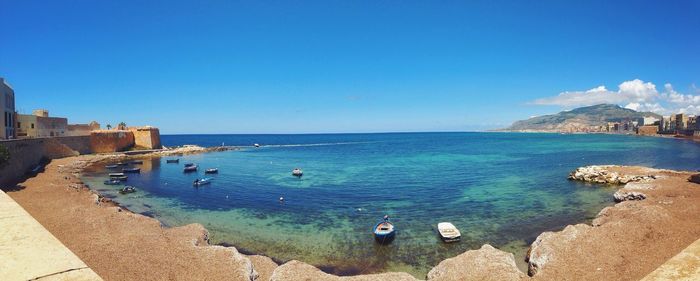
(82,129)
(7,106)
(40,125)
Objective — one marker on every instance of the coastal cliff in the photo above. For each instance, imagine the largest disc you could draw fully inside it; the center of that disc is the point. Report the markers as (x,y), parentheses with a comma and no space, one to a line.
(624,242)
(581,119)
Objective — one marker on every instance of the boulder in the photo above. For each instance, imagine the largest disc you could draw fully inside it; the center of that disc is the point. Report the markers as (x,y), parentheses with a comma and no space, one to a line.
(487,263)
(264,266)
(622,195)
(543,250)
(694,178)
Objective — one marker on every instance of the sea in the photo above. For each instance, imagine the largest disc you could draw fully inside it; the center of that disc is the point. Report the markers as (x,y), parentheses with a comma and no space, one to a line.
(498,188)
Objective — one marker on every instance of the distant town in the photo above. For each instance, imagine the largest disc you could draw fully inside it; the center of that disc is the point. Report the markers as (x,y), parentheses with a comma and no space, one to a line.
(40,124)
(680,124)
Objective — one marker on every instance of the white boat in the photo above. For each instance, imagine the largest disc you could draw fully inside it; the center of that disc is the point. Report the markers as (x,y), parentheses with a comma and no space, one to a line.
(202,181)
(448,232)
(297,173)
(256,145)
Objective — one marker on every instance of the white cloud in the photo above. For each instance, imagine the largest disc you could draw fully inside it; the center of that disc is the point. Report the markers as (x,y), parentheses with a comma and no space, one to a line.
(629,91)
(652,107)
(634,94)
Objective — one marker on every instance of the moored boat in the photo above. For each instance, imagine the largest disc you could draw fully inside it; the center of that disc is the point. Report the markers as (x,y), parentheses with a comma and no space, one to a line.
(120,178)
(127,189)
(113,181)
(111,166)
(384,231)
(111,175)
(256,145)
(192,168)
(448,232)
(189,164)
(131,170)
(297,172)
(122,164)
(137,162)
(172,161)
(202,181)
(211,171)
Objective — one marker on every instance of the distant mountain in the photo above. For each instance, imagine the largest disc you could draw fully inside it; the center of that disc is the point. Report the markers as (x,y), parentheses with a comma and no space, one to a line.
(579,120)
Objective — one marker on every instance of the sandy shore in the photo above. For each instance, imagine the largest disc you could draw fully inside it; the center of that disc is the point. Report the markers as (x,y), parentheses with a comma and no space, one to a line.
(626,241)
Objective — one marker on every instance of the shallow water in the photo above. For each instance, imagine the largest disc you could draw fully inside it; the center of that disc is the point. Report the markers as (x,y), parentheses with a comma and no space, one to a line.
(498,188)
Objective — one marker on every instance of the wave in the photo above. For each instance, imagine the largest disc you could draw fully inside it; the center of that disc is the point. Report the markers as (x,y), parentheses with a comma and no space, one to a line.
(315,144)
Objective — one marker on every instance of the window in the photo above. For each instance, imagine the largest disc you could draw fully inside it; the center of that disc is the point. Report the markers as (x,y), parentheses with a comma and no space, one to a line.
(19,124)
(32,125)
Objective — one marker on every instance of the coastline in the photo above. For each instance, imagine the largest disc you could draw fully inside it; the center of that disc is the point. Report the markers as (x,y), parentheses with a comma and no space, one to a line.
(93,240)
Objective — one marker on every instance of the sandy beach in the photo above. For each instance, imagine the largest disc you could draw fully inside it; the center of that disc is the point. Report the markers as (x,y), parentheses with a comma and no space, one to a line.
(625,242)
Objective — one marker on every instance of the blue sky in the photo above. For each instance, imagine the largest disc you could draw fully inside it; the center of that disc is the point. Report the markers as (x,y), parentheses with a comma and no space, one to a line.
(344,66)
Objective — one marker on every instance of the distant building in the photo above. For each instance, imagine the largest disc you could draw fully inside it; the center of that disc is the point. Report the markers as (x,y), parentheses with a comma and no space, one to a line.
(693,123)
(82,129)
(40,125)
(681,122)
(7,106)
(648,120)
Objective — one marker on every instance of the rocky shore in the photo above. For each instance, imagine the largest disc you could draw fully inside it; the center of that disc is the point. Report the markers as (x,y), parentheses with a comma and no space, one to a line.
(657,218)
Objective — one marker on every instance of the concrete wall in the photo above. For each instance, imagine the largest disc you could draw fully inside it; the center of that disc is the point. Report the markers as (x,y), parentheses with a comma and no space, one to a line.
(27,154)
(111,141)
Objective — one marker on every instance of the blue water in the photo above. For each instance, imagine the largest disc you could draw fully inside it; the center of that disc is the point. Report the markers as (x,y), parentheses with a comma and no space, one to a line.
(498,188)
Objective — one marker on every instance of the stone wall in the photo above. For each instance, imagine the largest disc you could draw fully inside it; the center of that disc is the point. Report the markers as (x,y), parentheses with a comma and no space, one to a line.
(111,141)
(146,137)
(28,153)
(648,130)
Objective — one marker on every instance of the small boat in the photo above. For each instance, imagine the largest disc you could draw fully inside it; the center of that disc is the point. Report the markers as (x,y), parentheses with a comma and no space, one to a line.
(256,145)
(189,164)
(111,166)
(137,162)
(122,164)
(172,161)
(127,189)
(448,232)
(121,178)
(113,181)
(384,231)
(131,170)
(202,181)
(112,175)
(297,173)
(211,171)
(192,168)
(37,169)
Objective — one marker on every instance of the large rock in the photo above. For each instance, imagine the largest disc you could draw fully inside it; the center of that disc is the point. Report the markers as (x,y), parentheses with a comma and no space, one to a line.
(694,178)
(622,195)
(543,250)
(264,266)
(299,271)
(487,263)
(603,175)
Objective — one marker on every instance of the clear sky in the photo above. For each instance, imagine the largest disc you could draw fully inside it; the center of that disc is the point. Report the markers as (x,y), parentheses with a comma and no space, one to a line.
(345,66)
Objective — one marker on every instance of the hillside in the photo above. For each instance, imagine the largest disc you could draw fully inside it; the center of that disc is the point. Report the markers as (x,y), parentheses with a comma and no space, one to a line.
(579,120)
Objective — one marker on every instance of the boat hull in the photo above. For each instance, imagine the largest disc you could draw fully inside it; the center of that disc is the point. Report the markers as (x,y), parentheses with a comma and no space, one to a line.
(383,237)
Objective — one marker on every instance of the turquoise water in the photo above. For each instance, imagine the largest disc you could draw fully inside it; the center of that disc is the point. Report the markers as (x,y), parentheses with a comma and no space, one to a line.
(498,188)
